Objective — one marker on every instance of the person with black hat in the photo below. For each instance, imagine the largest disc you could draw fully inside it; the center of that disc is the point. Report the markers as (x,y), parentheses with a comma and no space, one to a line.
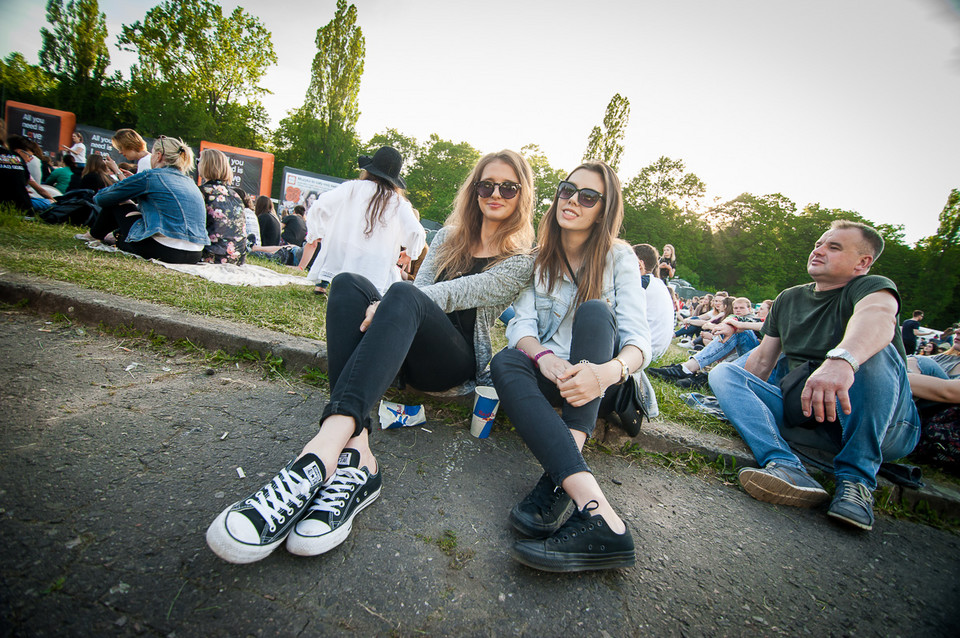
(362,224)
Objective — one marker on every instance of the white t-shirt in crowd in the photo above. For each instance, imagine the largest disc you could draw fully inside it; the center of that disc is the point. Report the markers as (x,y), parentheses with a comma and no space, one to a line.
(339,217)
(660,316)
(79,152)
(143,164)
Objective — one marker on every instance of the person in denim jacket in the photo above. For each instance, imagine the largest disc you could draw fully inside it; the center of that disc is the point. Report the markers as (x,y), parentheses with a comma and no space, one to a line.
(434,332)
(580,329)
(169,220)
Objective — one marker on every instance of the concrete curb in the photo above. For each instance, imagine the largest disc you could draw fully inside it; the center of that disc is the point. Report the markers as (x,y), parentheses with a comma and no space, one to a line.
(92,307)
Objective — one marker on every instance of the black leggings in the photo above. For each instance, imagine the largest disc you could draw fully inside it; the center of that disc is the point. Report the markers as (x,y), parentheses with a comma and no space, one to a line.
(115,219)
(409,334)
(528,397)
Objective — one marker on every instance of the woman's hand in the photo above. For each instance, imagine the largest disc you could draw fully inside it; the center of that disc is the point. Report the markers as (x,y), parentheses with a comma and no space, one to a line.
(404,261)
(582,383)
(368,317)
(553,367)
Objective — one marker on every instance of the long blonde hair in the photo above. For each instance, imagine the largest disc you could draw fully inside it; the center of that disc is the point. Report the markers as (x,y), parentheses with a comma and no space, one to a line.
(550,257)
(513,236)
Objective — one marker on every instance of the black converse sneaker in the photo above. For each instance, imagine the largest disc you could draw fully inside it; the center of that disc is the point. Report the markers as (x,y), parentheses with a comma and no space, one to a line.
(330,517)
(542,511)
(250,529)
(584,542)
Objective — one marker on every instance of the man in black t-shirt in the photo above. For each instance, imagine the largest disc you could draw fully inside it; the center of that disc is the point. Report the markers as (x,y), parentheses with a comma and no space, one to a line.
(909,332)
(844,325)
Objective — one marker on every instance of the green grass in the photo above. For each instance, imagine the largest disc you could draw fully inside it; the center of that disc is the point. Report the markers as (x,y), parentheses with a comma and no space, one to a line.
(36,248)
(673,408)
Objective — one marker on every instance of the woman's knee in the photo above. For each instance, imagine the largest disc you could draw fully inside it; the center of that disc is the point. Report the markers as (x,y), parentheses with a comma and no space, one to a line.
(595,312)
(505,362)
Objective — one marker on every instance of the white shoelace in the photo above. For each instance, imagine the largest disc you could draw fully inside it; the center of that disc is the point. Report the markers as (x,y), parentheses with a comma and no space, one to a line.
(334,494)
(284,490)
(857,493)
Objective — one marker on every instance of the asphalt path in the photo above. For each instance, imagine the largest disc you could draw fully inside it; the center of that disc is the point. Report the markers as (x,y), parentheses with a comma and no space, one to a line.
(114,458)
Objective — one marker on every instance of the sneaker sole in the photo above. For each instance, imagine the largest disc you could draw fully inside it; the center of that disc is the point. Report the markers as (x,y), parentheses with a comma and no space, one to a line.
(575,562)
(850,521)
(230,549)
(534,530)
(771,489)
(316,545)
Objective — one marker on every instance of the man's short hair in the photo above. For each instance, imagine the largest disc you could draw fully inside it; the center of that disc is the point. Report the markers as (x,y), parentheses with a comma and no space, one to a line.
(648,255)
(299,210)
(917,313)
(873,242)
(722,293)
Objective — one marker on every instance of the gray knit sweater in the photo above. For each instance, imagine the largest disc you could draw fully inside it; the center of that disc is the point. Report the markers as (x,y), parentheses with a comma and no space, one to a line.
(490,292)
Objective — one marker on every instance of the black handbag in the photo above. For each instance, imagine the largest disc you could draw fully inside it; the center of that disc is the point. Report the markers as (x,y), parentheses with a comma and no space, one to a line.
(629,407)
(791,387)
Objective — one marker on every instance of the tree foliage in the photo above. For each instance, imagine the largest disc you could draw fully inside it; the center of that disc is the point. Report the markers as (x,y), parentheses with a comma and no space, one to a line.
(25,82)
(545,179)
(436,176)
(607,143)
(320,135)
(199,71)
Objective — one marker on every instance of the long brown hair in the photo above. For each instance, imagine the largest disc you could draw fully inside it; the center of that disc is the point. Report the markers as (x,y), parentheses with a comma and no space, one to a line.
(95,164)
(513,236)
(550,258)
(378,203)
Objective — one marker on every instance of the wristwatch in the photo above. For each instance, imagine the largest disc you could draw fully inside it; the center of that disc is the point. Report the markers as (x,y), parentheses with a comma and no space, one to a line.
(840,353)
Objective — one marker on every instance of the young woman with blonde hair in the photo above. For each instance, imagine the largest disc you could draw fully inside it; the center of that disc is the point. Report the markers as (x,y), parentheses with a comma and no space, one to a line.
(580,329)
(226,224)
(433,332)
(168,221)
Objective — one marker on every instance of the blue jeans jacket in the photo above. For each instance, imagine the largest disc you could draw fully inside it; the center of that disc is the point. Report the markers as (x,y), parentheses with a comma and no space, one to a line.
(170,202)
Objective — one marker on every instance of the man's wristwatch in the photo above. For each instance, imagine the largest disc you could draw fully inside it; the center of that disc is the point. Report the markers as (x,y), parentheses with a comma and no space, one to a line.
(840,353)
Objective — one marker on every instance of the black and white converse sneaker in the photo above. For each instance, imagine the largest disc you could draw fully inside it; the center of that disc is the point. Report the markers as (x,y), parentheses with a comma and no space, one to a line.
(330,518)
(250,529)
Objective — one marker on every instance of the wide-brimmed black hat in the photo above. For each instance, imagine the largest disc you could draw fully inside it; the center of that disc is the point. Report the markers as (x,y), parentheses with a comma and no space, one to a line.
(385,163)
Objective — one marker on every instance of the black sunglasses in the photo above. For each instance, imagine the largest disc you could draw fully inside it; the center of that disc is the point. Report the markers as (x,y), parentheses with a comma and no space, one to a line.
(508,190)
(587,197)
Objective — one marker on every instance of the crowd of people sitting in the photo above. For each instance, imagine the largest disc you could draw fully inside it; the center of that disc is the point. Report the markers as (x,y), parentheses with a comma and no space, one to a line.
(589,314)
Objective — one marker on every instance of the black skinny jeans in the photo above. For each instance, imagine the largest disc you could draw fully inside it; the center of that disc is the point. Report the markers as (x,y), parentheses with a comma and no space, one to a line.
(528,397)
(409,334)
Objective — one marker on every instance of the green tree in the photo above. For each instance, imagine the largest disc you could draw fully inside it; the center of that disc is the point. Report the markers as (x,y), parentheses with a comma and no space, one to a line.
(607,143)
(199,72)
(545,179)
(24,82)
(408,147)
(434,179)
(74,50)
(938,283)
(320,135)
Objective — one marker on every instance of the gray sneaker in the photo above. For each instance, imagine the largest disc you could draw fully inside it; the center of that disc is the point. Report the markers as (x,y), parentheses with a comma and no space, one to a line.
(783,485)
(853,504)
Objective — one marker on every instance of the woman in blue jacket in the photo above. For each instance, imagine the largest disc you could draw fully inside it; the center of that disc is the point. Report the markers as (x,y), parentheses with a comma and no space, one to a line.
(168,221)
(580,329)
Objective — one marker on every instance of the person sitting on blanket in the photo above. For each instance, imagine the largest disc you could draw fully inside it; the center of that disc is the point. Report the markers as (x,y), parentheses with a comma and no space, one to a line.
(738,332)
(226,225)
(842,327)
(169,220)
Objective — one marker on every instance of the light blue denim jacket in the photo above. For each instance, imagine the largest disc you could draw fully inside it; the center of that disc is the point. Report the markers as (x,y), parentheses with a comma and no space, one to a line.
(540,311)
(171,204)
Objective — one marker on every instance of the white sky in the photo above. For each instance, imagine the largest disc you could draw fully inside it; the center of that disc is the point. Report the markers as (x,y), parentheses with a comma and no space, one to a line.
(850,103)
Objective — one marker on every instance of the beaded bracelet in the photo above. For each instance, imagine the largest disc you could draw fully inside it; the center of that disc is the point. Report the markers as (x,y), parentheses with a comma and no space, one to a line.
(536,359)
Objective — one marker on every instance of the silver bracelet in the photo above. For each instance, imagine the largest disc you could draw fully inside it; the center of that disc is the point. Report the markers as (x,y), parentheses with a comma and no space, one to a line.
(597,376)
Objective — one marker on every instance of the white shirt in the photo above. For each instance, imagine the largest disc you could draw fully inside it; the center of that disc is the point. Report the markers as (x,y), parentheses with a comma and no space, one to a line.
(79,152)
(339,217)
(143,164)
(660,316)
(253,227)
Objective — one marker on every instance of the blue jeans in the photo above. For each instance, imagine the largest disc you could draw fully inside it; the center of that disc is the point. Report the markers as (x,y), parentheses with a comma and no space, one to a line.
(883,424)
(716,350)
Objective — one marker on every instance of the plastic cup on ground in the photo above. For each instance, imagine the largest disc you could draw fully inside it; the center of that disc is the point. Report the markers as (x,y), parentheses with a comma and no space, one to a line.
(485,404)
